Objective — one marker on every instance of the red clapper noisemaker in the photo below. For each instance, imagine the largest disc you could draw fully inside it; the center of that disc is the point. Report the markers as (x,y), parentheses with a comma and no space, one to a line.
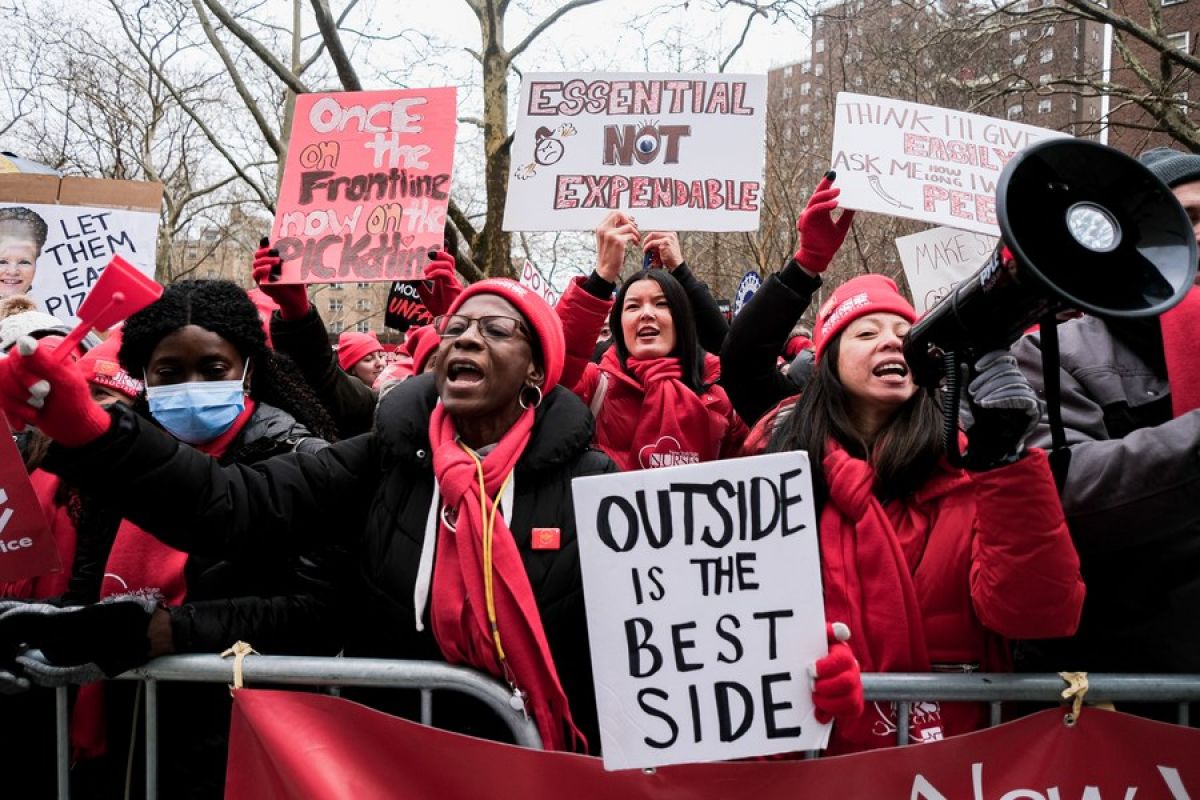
(119,292)
(27,547)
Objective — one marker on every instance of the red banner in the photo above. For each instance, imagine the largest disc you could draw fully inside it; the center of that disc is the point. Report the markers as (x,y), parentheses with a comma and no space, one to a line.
(26,546)
(294,745)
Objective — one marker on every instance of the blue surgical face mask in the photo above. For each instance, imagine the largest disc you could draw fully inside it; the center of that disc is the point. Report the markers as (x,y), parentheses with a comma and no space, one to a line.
(199,411)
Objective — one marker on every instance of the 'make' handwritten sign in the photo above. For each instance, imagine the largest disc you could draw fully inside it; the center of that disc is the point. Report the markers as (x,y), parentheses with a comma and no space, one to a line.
(704,609)
(366,185)
(937,259)
(922,162)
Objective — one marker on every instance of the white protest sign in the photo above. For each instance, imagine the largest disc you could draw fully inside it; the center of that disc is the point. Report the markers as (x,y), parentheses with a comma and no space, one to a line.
(677,151)
(922,162)
(937,259)
(532,279)
(704,609)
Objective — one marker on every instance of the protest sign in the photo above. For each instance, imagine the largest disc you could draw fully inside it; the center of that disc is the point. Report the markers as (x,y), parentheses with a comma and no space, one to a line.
(60,233)
(704,609)
(679,152)
(404,307)
(751,282)
(26,547)
(532,279)
(922,162)
(937,259)
(366,185)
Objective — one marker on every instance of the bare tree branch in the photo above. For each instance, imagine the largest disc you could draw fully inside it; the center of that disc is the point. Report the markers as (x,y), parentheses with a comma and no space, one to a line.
(554,17)
(256,47)
(333,43)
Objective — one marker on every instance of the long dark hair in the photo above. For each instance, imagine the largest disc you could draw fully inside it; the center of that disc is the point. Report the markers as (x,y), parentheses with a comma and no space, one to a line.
(687,344)
(904,454)
(223,308)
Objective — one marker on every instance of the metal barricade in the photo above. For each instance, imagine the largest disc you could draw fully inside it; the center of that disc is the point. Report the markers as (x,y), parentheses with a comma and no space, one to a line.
(424,676)
(904,689)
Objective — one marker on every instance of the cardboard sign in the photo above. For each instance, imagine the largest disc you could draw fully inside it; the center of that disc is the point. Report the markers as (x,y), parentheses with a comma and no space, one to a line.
(704,609)
(751,282)
(366,185)
(84,222)
(937,259)
(922,162)
(679,152)
(532,279)
(404,307)
(26,546)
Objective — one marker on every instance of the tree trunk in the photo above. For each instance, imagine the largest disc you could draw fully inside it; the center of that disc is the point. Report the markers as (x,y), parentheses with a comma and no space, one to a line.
(493,249)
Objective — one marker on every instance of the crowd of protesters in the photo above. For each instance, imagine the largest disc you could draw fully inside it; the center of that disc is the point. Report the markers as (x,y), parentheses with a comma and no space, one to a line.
(209,478)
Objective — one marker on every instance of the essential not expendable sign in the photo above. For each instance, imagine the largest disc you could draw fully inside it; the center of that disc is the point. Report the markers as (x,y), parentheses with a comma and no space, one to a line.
(923,162)
(366,185)
(677,151)
(704,609)
(936,260)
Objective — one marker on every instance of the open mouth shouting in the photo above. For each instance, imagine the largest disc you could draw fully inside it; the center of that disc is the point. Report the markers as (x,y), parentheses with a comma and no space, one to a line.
(893,371)
(463,373)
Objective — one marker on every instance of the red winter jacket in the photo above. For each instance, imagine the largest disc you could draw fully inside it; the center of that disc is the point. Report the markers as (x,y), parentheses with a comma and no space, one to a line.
(997,564)
(618,411)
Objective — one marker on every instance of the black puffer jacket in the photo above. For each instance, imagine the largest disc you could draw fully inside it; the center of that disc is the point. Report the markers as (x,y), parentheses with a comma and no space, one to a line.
(374,491)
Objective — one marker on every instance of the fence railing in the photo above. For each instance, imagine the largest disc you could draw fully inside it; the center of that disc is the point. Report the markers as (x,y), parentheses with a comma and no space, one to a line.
(427,677)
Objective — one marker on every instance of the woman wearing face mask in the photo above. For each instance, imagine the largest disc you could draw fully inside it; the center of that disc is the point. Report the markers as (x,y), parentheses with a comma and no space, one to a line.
(210,382)
(932,567)
(463,467)
(654,393)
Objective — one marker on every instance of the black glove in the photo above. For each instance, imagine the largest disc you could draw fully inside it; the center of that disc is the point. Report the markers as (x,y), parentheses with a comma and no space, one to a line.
(1005,410)
(112,634)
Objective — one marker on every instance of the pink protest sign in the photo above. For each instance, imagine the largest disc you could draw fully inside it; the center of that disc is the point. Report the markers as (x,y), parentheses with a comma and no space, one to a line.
(365,185)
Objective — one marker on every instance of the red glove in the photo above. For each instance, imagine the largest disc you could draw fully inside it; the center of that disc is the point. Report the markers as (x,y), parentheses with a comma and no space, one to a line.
(53,396)
(441,285)
(820,235)
(837,681)
(291,297)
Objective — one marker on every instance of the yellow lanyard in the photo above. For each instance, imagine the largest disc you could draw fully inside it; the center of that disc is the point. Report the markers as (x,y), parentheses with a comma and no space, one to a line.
(489,527)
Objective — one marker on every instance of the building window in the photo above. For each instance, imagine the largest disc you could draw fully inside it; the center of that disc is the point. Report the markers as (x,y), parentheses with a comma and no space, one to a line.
(1045,79)
(1015,36)
(819,70)
(803,130)
(362,304)
(1181,101)
(1074,103)
(1018,59)
(337,327)
(362,326)
(1046,56)
(1179,41)
(805,88)
(211,274)
(336,286)
(858,80)
(1014,112)
(805,108)
(819,46)
(1044,106)
(363,284)
(335,304)
(787,92)
(787,71)
(1048,30)
(806,67)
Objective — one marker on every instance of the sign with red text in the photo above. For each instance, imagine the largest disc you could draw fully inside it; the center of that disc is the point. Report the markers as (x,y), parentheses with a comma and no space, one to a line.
(922,162)
(704,608)
(366,185)
(937,259)
(26,546)
(58,234)
(678,152)
(404,307)
(302,745)
(531,278)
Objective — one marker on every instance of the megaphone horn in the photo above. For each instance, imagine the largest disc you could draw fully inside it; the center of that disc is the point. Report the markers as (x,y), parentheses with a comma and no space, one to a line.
(1089,229)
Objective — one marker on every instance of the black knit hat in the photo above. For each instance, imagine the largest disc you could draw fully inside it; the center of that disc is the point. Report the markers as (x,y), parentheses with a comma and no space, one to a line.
(1172,166)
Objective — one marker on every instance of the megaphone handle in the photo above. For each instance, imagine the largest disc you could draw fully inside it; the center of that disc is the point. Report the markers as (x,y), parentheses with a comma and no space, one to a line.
(72,340)
(950,400)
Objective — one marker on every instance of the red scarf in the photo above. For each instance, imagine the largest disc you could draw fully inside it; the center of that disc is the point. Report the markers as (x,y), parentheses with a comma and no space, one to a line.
(1179,328)
(459,596)
(673,425)
(868,560)
(138,563)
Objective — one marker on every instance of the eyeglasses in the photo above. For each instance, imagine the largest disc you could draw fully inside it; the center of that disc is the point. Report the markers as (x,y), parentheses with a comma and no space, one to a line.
(451,326)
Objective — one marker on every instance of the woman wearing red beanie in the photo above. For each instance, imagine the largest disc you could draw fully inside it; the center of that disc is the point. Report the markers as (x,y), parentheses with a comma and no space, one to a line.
(930,566)
(361,355)
(654,393)
(461,468)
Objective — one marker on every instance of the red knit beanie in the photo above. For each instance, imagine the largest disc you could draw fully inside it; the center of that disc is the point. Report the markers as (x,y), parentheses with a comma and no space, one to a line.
(101,367)
(541,318)
(795,345)
(353,347)
(866,294)
(421,343)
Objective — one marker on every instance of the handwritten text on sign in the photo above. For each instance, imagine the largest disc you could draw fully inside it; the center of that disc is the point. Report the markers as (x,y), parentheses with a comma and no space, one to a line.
(923,162)
(366,185)
(937,259)
(704,609)
(679,152)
